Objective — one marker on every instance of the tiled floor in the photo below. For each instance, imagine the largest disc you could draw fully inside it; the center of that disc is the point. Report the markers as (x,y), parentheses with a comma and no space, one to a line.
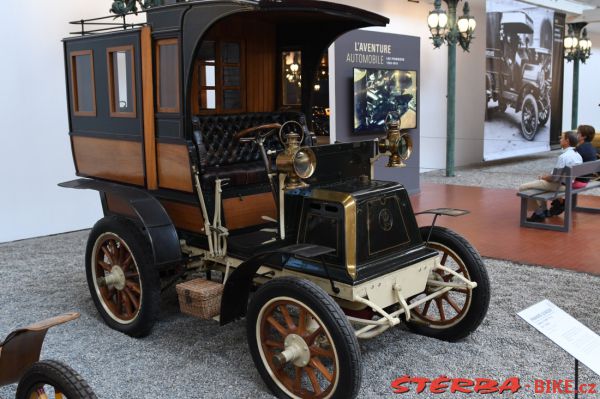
(493,227)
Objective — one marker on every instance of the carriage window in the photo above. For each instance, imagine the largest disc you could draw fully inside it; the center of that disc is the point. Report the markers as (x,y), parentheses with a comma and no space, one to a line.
(207,75)
(168,75)
(82,79)
(232,76)
(121,76)
(219,74)
(291,62)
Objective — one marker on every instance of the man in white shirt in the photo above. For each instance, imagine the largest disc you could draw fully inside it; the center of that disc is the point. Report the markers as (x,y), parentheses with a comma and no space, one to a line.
(569,157)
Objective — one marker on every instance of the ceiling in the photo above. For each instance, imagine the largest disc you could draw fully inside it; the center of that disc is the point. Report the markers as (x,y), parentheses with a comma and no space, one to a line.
(576,10)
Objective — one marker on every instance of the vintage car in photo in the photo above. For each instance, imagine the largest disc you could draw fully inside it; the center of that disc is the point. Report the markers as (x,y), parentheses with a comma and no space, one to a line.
(208,178)
(518,75)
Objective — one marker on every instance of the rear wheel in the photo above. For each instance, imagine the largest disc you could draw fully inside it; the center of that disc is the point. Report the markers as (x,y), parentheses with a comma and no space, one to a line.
(301,342)
(53,379)
(457,313)
(121,276)
(529,117)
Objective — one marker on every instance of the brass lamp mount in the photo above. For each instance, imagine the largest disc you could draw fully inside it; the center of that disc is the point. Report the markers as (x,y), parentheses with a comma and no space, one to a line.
(397,145)
(297,162)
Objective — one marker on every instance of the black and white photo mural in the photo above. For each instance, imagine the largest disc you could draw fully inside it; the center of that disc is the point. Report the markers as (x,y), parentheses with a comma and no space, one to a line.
(520,46)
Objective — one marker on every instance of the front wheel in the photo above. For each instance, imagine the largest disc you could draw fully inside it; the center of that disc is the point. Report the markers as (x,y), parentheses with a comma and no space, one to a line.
(529,117)
(53,379)
(457,313)
(301,342)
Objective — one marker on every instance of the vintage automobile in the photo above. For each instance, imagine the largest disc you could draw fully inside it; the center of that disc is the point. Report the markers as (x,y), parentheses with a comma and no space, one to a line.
(20,362)
(517,75)
(176,123)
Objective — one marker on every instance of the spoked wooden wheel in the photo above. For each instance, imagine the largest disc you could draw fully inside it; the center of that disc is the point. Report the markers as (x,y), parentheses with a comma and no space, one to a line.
(289,330)
(116,278)
(458,312)
(301,341)
(50,379)
(449,308)
(121,276)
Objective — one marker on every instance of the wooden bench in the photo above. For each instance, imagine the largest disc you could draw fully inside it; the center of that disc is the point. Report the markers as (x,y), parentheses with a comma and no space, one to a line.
(567,176)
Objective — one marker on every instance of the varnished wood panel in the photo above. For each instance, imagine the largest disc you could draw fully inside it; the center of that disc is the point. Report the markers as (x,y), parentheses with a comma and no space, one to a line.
(148,107)
(261,61)
(118,160)
(246,211)
(493,227)
(174,167)
(118,205)
(258,63)
(185,216)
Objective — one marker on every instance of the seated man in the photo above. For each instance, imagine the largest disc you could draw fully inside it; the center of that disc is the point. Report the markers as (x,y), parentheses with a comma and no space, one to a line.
(585,135)
(569,157)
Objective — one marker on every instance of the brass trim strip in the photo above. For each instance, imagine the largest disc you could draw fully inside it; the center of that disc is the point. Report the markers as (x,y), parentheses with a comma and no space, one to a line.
(349,205)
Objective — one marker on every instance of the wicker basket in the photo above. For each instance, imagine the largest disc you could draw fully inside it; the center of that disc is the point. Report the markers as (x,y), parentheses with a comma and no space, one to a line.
(200,298)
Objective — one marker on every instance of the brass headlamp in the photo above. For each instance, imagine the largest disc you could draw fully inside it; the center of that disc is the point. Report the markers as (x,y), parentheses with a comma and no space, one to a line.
(297,162)
(397,145)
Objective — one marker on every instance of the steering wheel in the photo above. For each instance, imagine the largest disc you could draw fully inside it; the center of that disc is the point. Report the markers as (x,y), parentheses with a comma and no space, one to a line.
(260,137)
(283,137)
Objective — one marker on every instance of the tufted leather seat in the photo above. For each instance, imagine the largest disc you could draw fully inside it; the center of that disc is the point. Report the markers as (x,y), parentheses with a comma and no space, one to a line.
(219,156)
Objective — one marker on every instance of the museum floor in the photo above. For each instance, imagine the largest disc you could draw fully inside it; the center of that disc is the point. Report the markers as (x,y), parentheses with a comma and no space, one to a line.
(488,191)
(493,227)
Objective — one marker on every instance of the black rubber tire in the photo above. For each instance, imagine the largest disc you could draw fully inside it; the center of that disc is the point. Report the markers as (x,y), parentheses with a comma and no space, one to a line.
(334,320)
(529,128)
(143,322)
(480,297)
(56,374)
(543,117)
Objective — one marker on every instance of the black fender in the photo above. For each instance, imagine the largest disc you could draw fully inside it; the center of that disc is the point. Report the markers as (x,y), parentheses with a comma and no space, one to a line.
(238,285)
(148,213)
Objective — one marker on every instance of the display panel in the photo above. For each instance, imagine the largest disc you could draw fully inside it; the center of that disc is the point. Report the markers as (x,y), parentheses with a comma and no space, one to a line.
(380,91)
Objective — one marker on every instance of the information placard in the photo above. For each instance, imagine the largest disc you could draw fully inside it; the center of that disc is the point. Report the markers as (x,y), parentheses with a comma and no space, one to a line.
(566,332)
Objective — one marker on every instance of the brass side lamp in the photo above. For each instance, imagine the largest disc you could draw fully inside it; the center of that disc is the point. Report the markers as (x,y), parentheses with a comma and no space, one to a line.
(297,162)
(397,145)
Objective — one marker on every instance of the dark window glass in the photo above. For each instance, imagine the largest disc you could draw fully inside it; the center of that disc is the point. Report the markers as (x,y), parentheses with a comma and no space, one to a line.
(232,99)
(168,78)
(230,53)
(231,76)
(84,85)
(122,81)
(207,51)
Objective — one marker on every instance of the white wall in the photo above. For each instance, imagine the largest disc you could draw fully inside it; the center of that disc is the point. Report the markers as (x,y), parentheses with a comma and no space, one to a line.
(35,153)
(588,111)
(411,19)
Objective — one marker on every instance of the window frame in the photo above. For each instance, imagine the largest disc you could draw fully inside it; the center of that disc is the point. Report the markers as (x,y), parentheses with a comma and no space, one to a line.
(202,72)
(219,87)
(158,44)
(111,92)
(74,84)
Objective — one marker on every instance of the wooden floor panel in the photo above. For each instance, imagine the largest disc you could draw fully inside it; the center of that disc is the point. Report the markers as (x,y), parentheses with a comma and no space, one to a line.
(493,227)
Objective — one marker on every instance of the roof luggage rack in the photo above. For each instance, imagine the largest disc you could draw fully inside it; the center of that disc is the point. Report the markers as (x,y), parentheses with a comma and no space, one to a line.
(104,25)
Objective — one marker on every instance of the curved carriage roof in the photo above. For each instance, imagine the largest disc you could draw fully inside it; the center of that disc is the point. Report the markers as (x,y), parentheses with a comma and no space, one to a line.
(309,23)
